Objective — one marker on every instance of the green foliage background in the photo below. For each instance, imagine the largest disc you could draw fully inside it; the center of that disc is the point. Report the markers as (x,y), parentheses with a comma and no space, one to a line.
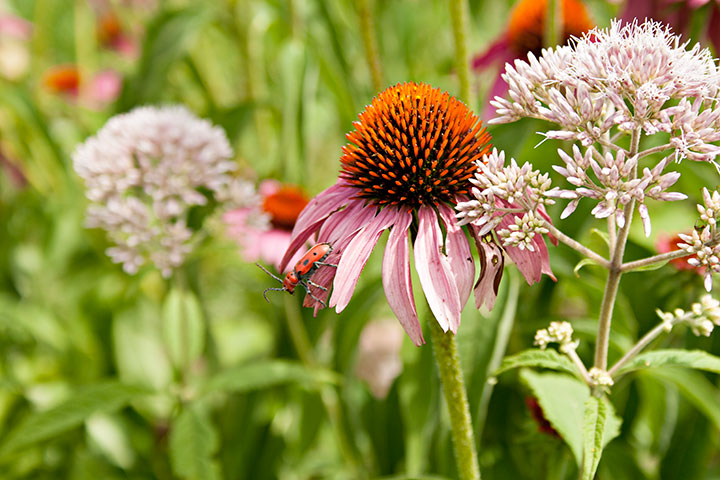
(91,381)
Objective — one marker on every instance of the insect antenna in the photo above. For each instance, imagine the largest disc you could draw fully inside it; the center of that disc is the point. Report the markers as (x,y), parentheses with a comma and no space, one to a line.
(269,289)
(268,272)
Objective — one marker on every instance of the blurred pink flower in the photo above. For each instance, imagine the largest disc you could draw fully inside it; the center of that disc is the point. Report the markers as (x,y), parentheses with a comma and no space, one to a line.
(665,244)
(15,32)
(112,35)
(524,33)
(378,360)
(410,157)
(263,229)
(66,80)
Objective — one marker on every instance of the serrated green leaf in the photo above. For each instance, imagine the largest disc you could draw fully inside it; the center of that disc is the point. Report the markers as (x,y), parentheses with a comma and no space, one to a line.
(266,374)
(193,442)
(582,263)
(697,359)
(694,387)
(535,357)
(600,426)
(562,399)
(183,327)
(39,426)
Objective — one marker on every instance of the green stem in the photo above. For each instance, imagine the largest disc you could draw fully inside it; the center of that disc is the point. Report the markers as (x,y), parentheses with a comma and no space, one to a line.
(458,14)
(501,341)
(328,395)
(451,377)
(553,14)
(365,14)
(614,274)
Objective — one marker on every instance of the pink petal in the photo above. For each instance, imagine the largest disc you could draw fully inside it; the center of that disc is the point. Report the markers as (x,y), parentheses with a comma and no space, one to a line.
(270,187)
(499,50)
(105,87)
(14,26)
(346,222)
(531,264)
(356,255)
(435,271)
(397,281)
(458,251)
(492,262)
(312,216)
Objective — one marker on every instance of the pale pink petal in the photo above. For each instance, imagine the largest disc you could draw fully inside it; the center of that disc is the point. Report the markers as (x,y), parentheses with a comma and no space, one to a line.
(397,281)
(105,87)
(269,187)
(498,52)
(346,222)
(356,255)
(531,264)
(458,252)
(435,271)
(492,262)
(14,26)
(313,215)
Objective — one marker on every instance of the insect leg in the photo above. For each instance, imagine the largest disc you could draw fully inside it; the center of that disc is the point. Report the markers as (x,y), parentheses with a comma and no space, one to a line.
(310,282)
(326,264)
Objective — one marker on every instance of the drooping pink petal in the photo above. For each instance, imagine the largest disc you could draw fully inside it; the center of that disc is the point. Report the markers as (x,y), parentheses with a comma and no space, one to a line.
(397,281)
(356,255)
(492,262)
(435,271)
(313,215)
(458,252)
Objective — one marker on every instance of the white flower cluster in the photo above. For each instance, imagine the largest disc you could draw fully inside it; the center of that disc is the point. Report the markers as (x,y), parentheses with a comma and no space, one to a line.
(705,245)
(510,196)
(615,185)
(624,77)
(557,332)
(702,317)
(143,171)
(599,377)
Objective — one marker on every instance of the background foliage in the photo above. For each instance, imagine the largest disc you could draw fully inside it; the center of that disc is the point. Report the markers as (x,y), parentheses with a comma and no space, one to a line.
(95,382)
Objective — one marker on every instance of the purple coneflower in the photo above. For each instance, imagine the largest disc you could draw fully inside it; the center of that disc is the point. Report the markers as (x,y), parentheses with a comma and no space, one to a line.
(409,159)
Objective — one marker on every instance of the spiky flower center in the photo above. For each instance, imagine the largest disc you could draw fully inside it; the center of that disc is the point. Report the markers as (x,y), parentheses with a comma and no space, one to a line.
(527,24)
(413,145)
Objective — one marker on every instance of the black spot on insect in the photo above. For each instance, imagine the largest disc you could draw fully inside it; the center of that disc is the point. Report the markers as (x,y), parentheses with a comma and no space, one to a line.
(306,262)
(315,254)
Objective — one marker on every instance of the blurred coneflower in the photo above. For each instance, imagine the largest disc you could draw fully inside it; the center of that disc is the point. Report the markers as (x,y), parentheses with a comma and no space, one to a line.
(408,162)
(112,35)
(66,80)
(263,227)
(525,32)
(666,244)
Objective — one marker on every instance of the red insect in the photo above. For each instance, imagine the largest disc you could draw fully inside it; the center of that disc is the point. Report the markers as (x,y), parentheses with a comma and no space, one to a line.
(302,271)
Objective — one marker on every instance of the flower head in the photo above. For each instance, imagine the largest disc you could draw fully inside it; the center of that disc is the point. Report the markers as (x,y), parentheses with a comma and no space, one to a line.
(525,32)
(66,80)
(263,225)
(144,171)
(411,154)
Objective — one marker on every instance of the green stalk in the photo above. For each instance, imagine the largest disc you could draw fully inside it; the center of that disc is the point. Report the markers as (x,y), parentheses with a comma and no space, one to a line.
(367,28)
(458,14)
(451,377)
(328,395)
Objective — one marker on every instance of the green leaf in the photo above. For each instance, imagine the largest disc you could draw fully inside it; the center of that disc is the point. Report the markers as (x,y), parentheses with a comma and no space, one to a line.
(562,399)
(603,235)
(564,402)
(696,389)
(165,42)
(581,264)
(40,426)
(266,374)
(183,327)
(535,357)
(697,359)
(193,442)
(600,425)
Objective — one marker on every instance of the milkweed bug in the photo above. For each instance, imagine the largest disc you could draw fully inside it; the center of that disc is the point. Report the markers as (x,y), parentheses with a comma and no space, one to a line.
(302,271)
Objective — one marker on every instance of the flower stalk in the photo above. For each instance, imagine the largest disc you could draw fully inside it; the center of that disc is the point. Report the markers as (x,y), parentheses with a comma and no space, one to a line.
(448,362)
(367,28)
(458,14)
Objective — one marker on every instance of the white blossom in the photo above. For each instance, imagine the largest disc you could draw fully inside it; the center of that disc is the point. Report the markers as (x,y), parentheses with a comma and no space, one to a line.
(143,171)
